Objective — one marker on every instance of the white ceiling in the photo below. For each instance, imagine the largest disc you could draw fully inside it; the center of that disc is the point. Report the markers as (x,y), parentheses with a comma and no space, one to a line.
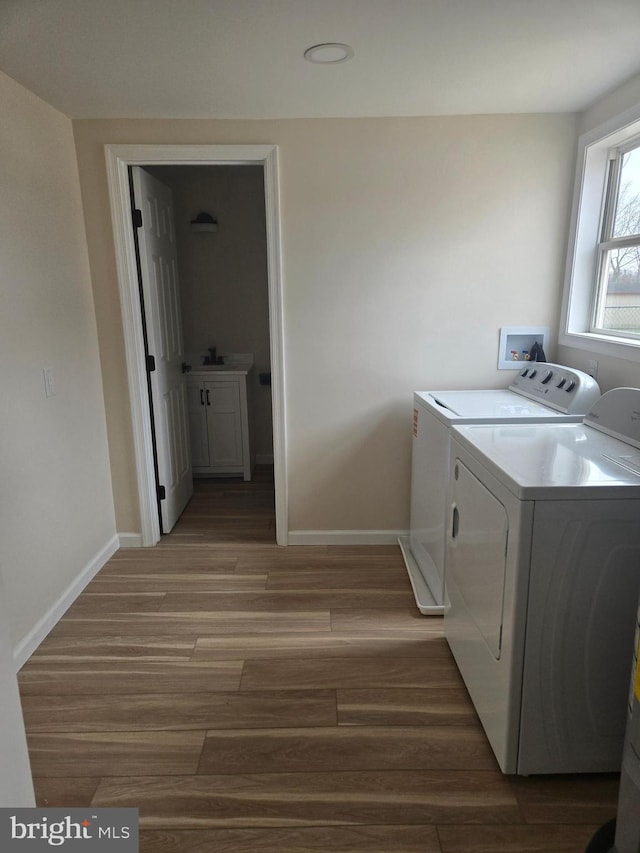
(243,58)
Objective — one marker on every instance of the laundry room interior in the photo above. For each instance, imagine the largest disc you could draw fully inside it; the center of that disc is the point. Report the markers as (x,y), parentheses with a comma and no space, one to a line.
(399,592)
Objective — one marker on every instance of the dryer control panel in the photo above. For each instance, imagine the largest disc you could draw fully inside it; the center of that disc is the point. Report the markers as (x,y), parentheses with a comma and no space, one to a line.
(562,388)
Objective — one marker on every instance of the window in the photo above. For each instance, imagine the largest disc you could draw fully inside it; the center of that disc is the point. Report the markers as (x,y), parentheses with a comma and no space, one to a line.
(617,292)
(601,307)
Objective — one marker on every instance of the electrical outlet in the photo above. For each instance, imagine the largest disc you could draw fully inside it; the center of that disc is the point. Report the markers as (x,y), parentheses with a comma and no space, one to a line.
(593,368)
(49,382)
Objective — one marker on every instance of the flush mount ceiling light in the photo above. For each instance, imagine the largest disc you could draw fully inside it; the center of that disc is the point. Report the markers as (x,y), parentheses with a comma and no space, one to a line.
(329,53)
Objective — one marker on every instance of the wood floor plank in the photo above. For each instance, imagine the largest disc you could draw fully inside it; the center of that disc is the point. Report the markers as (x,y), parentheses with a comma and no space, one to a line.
(169,553)
(324,644)
(363,673)
(222,508)
(326,839)
(197,582)
(171,559)
(118,602)
(283,600)
(179,711)
(417,707)
(40,677)
(584,798)
(209,623)
(320,799)
(346,748)
(54,648)
(108,753)
(228,515)
(64,792)
(314,559)
(346,579)
(267,554)
(515,839)
(352,620)
(228,536)
(389,552)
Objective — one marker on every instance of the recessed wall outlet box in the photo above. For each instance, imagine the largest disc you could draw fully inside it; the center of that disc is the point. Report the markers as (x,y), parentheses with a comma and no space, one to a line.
(516,342)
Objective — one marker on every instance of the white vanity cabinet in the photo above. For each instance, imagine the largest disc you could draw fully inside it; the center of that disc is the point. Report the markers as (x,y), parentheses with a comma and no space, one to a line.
(219,422)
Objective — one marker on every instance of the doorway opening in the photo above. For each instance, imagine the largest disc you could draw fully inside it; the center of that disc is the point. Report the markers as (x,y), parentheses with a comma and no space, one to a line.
(204,293)
(119,159)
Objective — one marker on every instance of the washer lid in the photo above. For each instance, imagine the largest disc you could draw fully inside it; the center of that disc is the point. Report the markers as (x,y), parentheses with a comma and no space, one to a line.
(498,406)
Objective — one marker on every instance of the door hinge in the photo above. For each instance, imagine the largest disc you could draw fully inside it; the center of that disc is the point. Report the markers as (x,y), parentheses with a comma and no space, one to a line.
(162,493)
(137,217)
(151,363)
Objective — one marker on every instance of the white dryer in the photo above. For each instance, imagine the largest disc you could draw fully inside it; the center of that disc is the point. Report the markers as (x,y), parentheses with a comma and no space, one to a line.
(543,577)
(541,392)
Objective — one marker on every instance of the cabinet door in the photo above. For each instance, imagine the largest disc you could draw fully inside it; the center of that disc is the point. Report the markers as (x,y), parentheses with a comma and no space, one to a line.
(198,424)
(224,424)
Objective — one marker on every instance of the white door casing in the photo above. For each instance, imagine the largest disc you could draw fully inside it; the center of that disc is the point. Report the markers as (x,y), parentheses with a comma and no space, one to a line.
(16,784)
(163,321)
(118,160)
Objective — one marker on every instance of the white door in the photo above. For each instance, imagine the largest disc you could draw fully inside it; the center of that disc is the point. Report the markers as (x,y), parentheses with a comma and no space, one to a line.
(159,271)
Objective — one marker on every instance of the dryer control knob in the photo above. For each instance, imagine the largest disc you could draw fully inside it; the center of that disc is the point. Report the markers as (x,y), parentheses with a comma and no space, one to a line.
(562,383)
(570,386)
(547,377)
(533,373)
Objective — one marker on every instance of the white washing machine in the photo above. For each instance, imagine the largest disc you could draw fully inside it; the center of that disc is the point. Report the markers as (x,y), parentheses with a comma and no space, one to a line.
(541,392)
(543,577)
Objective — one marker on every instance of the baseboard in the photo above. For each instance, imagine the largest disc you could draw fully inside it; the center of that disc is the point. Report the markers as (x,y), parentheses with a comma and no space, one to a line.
(345,537)
(130,540)
(27,646)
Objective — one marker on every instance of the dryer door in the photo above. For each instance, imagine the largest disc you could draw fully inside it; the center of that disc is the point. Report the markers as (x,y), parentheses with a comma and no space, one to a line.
(477,556)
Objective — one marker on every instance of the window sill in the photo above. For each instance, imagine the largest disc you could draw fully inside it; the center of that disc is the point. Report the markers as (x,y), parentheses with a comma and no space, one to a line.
(604,344)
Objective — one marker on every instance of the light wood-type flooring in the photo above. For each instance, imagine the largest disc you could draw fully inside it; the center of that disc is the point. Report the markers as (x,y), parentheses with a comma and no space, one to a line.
(255,699)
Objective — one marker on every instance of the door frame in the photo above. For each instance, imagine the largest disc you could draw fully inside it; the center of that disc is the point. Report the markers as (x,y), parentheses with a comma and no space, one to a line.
(118,159)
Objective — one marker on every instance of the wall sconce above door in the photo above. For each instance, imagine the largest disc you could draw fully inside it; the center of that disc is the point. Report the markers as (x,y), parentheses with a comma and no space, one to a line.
(204,223)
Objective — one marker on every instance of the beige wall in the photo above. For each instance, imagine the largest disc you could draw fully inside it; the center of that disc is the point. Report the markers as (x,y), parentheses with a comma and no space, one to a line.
(622,98)
(57,508)
(407,243)
(223,276)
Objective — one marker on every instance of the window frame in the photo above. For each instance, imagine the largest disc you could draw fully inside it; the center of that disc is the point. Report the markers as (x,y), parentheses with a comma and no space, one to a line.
(581,283)
(608,242)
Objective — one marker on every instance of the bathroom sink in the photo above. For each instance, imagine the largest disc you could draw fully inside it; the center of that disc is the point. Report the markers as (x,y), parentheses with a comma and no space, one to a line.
(233,364)
(229,366)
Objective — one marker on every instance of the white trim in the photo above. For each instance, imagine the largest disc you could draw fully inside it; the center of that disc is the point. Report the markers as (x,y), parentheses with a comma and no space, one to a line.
(119,158)
(29,643)
(130,540)
(346,537)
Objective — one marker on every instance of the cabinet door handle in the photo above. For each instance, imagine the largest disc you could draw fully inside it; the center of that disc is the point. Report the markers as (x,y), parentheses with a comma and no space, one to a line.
(202,397)
(208,400)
